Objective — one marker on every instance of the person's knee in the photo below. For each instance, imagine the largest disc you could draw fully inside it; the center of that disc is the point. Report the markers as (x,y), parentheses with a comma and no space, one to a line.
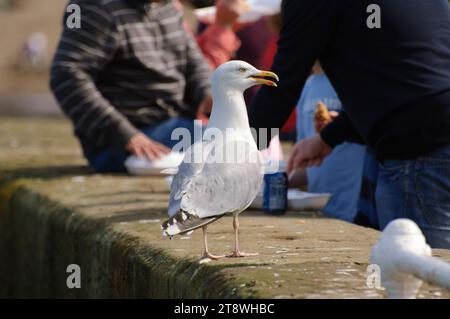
(177,130)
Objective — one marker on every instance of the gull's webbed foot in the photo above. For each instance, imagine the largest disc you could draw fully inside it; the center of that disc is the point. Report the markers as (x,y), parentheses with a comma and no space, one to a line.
(237,254)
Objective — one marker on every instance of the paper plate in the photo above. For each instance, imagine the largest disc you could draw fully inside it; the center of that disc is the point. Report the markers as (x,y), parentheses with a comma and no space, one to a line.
(142,167)
(298,200)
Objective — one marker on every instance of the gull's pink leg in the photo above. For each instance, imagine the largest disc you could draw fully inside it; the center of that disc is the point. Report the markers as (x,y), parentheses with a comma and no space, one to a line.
(207,256)
(237,252)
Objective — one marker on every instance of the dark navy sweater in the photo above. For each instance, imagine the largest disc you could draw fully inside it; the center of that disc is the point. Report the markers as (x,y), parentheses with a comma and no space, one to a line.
(394,81)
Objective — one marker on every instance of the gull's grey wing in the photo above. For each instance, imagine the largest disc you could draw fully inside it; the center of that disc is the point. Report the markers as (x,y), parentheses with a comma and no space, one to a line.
(207,188)
(221,189)
(189,167)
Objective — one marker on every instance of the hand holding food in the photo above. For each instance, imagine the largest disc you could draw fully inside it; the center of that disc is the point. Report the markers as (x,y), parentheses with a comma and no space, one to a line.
(323,117)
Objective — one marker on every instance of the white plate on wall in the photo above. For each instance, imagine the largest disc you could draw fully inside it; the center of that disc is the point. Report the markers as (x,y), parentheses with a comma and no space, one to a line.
(140,166)
(298,200)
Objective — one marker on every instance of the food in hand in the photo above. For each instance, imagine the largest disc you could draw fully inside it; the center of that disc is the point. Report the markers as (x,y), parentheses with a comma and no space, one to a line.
(321,116)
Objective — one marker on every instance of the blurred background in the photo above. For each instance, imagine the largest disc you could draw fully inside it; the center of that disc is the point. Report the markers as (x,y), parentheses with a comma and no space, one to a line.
(32,125)
(29,33)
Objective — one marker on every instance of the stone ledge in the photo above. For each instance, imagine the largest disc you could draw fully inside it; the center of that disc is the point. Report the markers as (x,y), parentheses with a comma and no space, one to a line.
(43,237)
(54,212)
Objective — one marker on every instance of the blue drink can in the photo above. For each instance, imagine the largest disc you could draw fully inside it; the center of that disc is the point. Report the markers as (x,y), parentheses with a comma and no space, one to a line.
(275,193)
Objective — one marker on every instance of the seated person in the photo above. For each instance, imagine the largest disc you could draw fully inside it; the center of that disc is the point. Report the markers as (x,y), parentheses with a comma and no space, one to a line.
(130,75)
(340,173)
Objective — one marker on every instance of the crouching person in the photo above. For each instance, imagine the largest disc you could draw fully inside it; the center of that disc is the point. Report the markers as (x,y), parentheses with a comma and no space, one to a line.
(127,77)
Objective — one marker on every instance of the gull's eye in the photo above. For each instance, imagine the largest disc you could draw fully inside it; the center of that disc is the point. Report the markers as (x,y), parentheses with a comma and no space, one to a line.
(242,70)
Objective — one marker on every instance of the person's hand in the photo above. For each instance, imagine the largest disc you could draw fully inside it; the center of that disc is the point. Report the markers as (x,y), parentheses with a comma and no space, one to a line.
(298,179)
(204,110)
(308,152)
(229,11)
(142,146)
(320,124)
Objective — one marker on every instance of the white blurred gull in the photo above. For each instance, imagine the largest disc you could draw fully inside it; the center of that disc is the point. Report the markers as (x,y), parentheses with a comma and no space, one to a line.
(223,172)
(405,261)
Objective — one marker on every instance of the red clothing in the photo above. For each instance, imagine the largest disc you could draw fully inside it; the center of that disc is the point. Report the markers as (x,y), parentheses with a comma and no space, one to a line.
(218,44)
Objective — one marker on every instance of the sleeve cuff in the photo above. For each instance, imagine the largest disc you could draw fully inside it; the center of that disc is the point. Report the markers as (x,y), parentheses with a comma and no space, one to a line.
(334,133)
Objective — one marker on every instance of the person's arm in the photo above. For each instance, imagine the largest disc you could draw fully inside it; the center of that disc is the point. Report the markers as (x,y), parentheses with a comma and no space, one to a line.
(218,44)
(308,26)
(81,55)
(340,130)
(298,179)
(218,41)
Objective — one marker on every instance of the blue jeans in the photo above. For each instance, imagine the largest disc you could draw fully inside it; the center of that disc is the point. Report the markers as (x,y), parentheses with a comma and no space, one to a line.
(112,160)
(419,190)
(367,210)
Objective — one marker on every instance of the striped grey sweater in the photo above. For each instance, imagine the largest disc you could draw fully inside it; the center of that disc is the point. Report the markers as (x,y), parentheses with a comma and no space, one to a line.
(130,65)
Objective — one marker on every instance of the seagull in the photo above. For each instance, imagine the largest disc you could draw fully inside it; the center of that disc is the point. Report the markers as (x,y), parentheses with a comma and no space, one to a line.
(405,261)
(221,174)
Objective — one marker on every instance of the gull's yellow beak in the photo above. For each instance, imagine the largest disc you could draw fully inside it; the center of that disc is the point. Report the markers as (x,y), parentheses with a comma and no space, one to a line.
(259,77)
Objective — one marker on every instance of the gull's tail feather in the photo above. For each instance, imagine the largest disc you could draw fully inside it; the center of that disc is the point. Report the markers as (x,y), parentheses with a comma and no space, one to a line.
(184,222)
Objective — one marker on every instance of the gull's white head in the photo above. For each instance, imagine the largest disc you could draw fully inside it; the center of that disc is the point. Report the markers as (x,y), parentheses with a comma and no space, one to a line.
(240,75)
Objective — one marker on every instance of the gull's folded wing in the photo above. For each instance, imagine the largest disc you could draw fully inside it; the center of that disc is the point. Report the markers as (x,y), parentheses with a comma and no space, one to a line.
(211,188)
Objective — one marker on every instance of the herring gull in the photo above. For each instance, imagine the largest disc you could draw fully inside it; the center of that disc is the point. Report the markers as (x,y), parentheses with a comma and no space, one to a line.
(222,173)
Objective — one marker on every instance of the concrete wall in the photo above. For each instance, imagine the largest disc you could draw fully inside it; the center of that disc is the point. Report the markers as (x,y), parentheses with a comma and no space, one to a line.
(39,238)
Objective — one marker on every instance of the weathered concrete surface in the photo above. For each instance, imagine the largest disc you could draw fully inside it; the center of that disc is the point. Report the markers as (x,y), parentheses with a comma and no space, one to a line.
(54,212)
